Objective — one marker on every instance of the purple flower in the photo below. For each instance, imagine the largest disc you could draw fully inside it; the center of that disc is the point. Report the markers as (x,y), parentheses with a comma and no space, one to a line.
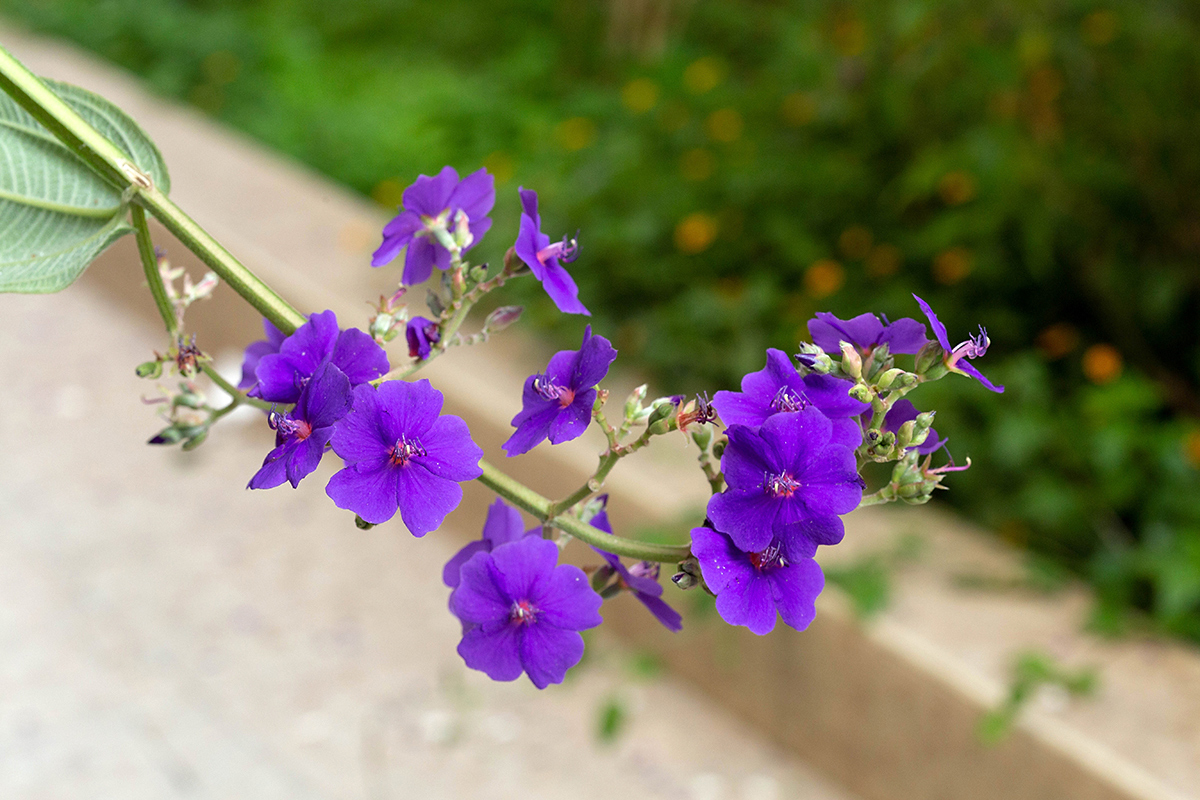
(256,350)
(954,358)
(866,333)
(902,412)
(302,433)
(780,389)
(522,612)
(641,578)
(558,404)
(751,587)
(282,375)
(787,481)
(534,248)
(435,203)
(422,335)
(400,454)
(503,525)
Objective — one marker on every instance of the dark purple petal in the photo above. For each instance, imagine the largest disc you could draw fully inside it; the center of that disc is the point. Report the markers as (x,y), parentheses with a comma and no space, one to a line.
(478,229)
(527,245)
(282,375)
(397,234)
(831,482)
(450,573)
(561,288)
(406,409)
(967,369)
(794,440)
(475,195)
(671,619)
(449,450)
(493,649)
(847,432)
(533,426)
(828,331)
(939,330)
(478,598)
(503,524)
(801,538)
(572,421)
(720,562)
(794,589)
(596,355)
(748,602)
(371,495)
(548,652)
(359,356)
(273,471)
(566,600)
(419,260)
(424,499)
(748,517)
(831,396)
(326,399)
(360,437)
(524,567)
(431,196)
(741,408)
(745,461)
(306,455)
(256,350)
(905,335)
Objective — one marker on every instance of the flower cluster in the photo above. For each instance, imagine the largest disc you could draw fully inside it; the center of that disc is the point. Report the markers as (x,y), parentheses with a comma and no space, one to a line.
(783,472)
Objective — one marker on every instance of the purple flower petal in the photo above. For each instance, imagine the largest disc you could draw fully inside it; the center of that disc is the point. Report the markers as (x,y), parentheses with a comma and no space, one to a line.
(794,589)
(418,261)
(359,356)
(939,330)
(747,516)
(431,196)
(748,603)
(407,409)
(371,495)
(562,602)
(474,194)
(450,572)
(478,598)
(548,652)
(493,649)
(971,371)
(906,336)
(570,422)
(424,498)
(524,566)
(449,450)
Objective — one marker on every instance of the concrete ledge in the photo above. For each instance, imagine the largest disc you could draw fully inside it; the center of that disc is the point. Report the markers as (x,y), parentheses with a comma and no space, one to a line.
(887,709)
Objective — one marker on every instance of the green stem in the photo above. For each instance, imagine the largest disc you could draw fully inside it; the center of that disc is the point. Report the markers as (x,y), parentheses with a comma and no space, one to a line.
(115,166)
(528,500)
(239,397)
(884,495)
(153,277)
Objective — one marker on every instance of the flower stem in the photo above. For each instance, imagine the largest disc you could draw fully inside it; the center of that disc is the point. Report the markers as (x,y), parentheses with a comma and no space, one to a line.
(150,266)
(528,500)
(239,397)
(94,149)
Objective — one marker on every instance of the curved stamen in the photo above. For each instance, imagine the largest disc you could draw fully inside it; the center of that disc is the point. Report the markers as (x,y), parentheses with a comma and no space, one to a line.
(549,390)
(770,558)
(788,399)
(565,251)
(287,428)
(522,612)
(405,450)
(781,485)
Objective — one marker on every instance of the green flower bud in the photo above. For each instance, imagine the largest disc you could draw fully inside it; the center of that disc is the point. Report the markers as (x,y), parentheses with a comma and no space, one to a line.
(195,441)
(150,369)
(861,392)
(362,524)
(502,317)
(702,436)
(851,361)
(478,274)
(633,403)
(930,362)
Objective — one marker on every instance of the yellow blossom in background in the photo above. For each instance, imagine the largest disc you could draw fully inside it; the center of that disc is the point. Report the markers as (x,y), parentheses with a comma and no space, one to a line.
(1058,340)
(1099,27)
(798,108)
(884,260)
(703,75)
(1102,363)
(724,125)
(388,193)
(501,165)
(824,278)
(575,133)
(855,242)
(697,164)
(1191,447)
(695,233)
(640,95)
(956,188)
(952,265)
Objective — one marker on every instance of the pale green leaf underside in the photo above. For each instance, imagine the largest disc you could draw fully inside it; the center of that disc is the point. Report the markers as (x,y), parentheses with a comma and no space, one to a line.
(56,214)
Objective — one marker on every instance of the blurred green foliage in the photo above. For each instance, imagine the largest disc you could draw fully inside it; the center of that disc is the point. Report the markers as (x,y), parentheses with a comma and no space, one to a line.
(737,166)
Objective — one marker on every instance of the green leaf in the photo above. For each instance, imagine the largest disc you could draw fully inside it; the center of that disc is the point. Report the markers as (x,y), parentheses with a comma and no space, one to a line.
(56,214)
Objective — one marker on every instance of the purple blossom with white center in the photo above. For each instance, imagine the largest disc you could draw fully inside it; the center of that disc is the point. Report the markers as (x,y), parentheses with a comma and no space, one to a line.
(900,413)
(302,433)
(282,375)
(954,358)
(866,333)
(522,612)
(641,578)
(780,389)
(787,481)
(438,202)
(422,334)
(503,525)
(400,454)
(256,350)
(557,404)
(535,249)
(752,587)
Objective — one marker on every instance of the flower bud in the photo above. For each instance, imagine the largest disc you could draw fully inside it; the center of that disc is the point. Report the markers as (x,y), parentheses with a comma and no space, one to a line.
(703,437)
(930,361)
(196,440)
(149,369)
(861,392)
(905,436)
(851,360)
(362,524)
(458,282)
(478,274)
(502,317)
(512,262)
(814,358)
(896,379)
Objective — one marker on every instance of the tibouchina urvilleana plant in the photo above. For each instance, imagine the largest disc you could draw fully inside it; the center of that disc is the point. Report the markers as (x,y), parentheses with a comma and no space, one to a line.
(783,453)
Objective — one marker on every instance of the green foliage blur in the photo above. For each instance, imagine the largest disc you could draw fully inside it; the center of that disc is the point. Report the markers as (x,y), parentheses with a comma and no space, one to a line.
(737,166)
